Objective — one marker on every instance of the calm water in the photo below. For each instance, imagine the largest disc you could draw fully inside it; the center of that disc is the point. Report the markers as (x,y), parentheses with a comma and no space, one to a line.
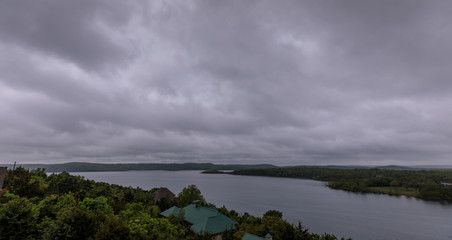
(360,216)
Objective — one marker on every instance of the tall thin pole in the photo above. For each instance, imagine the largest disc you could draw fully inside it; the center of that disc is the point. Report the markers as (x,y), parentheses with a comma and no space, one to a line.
(78,194)
(12,174)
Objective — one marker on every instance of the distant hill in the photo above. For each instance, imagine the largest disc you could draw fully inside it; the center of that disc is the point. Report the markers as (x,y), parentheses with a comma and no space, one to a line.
(104,167)
(395,167)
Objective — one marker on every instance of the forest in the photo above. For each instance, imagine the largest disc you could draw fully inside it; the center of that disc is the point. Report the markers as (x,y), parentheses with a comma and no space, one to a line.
(34,205)
(434,185)
(103,167)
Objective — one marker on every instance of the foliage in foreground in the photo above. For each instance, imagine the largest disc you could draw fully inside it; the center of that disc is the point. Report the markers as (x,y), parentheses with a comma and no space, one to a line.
(37,206)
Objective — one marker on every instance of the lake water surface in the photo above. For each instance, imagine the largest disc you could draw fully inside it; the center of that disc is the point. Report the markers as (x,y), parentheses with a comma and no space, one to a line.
(360,216)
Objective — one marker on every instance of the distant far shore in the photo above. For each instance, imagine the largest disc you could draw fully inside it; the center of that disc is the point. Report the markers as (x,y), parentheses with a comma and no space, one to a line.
(106,167)
(432,185)
(112,167)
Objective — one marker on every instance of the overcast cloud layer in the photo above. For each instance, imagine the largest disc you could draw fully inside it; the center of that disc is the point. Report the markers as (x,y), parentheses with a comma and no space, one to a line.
(281,82)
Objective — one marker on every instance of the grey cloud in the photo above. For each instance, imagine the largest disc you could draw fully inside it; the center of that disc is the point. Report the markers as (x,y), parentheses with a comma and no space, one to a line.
(70,30)
(282,82)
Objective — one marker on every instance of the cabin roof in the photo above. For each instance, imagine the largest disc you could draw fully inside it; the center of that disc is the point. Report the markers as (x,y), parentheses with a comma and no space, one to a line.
(163,192)
(249,236)
(172,210)
(203,219)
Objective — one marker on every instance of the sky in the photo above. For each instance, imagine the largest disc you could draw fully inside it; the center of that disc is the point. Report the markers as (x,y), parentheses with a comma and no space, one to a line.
(259,81)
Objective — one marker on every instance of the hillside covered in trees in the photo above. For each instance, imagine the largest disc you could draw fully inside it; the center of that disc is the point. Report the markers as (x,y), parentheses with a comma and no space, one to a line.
(34,205)
(104,167)
(434,185)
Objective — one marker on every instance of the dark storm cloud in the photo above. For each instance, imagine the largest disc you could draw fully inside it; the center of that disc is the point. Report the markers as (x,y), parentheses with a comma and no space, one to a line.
(283,82)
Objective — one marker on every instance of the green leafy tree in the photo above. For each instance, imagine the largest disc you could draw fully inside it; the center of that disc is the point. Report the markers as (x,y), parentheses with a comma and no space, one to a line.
(394,183)
(134,211)
(430,191)
(164,203)
(228,235)
(114,228)
(181,215)
(73,224)
(279,228)
(188,195)
(154,210)
(146,227)
(7,196)
(25,184)
(273,213)
(97,204)
(65,201)
(39,172)
(63,183)
(48,207)
(18,219)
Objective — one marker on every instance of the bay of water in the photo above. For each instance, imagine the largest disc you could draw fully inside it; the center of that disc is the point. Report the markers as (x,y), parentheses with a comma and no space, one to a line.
(320,209)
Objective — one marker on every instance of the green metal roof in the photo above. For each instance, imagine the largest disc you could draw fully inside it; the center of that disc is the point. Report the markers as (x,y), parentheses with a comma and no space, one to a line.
(249,236)
(268,235)
(204,219)
(213,225)
(172,210)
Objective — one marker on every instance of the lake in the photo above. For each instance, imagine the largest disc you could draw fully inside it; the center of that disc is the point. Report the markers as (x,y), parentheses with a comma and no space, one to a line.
(360,216)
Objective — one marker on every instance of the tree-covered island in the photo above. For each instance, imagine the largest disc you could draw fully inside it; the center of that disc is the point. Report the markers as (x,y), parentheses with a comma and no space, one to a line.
(34,205)
(434,185)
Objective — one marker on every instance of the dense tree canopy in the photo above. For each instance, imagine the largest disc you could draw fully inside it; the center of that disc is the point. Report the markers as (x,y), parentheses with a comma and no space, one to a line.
(37,206)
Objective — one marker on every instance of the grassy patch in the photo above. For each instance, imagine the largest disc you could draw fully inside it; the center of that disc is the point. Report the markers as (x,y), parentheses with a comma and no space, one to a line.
(410,192)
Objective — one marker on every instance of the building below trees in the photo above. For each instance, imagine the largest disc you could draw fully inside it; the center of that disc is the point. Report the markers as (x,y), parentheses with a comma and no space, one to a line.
(163,192)
(249,236)
(203,219)
(2,176)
